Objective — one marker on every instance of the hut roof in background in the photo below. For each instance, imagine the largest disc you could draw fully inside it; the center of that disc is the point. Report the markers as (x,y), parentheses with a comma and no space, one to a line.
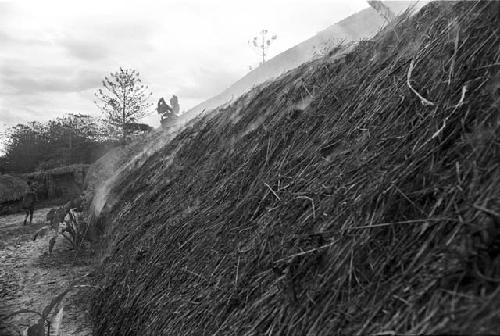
(58,171)
(11,188)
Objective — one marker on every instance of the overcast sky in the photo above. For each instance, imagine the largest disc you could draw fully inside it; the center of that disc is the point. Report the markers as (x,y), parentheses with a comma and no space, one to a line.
(54,54)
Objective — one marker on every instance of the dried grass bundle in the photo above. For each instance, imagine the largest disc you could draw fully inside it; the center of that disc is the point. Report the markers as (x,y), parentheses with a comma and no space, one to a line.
(357,196)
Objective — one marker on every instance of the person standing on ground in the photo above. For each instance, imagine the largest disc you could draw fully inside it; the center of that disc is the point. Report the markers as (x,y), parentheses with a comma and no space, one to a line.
(29,200)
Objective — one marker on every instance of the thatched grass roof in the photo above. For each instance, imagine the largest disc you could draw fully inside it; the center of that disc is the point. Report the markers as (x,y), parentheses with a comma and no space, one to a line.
(11,188)
(357,197)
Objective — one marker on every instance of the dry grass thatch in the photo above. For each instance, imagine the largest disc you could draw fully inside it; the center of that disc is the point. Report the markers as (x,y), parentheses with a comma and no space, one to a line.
(11,188)
(355,197)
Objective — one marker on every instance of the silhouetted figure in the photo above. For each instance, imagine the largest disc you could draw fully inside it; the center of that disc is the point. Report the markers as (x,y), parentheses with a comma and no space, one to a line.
(174,102)
(29,200)
(164,110)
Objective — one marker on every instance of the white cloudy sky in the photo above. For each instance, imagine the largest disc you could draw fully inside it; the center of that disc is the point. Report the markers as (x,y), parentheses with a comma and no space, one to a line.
(54,54)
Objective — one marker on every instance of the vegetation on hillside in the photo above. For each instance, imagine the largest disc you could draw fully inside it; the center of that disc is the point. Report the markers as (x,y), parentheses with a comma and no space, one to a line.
(63,141)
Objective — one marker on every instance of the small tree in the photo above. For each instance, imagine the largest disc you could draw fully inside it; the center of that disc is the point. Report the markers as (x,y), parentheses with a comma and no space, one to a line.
(124,98)
(261,44)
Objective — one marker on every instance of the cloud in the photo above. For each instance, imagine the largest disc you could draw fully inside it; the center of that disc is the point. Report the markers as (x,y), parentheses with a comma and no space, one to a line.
(10,117)
(32,109)
(86,50)
(106,39)
(29,80)
(207,82)
(130,30)
(6,9)
(5,38)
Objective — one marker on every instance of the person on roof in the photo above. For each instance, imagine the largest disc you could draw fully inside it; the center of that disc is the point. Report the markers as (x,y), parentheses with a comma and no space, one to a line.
(164,110)
(174,102)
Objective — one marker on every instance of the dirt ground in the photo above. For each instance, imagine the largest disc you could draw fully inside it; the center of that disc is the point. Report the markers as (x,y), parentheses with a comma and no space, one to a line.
(30,277)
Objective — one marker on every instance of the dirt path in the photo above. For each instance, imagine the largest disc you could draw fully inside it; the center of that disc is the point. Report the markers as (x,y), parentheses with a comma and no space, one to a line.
(30,277)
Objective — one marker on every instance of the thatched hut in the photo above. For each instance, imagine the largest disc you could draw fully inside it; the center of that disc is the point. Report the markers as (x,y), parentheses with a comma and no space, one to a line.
(59,183)
(12,190)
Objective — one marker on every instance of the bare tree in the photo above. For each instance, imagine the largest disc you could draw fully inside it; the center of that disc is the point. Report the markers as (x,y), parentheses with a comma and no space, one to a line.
(123,99)
(261,43)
